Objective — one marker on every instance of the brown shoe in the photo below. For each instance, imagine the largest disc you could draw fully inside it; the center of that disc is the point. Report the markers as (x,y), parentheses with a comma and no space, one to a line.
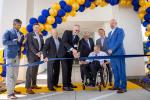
(17,92)
(36,87)
(113,88)
(121,91)
(30,91)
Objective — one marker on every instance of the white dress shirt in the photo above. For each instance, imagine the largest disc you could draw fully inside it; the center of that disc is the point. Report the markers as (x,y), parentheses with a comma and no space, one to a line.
(93,54)
(56,43)
(113,31)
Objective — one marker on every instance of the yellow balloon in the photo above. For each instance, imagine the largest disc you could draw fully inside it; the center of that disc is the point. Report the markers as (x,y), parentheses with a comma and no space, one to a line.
(53,12)
(92,6)
(102,4)
(141,15)
(142,10)
(73,13)
(23,30)
(80,2)
(48,27)
(75,6)
(98,2)
(70,2)
(122,3)
(147,34)
(129,3)
(64,19)
(148,27)
(56,6)
(142,2)
(1,69)
(50,20)
(148,54)
(41,27)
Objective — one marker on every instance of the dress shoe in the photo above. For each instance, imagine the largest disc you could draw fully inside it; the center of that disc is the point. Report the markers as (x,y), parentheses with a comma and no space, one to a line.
(121,91)
(113,88)
(52,89)
(67,89)
(73,86)
(36,87)
(30,91)
(17,92)
(57,86)
(12,97)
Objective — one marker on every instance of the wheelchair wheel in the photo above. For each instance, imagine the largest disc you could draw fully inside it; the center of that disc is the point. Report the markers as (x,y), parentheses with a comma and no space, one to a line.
(105,76)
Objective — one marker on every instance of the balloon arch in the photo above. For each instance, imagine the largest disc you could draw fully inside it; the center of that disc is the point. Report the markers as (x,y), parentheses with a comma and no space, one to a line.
(59,12)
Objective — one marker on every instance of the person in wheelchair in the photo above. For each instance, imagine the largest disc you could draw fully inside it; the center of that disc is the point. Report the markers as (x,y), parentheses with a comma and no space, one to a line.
(95,65)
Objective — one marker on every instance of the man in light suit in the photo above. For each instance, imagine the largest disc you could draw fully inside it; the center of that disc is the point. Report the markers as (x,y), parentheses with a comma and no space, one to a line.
(54,48)
(102,42)
(116,47)
(34,49)
(12,41)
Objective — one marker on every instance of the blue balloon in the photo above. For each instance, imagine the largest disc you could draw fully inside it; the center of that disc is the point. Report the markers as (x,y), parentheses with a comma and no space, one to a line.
(33,21)
(45,13)
(44,33)
(149,38)
(136,8)
(54,25)
(87,3)
(148,10)
(135,2)
(145,23)
(30,28)
(81,8)
(42,19)
(62,4)
(58,20)
(91,0)
(61,13)
(68,8)
(148,44)
(147,17)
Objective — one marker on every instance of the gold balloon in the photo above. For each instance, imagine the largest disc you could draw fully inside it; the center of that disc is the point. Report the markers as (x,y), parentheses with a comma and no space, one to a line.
(102,4)
(122,3)
(148,54)
(64,19)
(56,6)
(50,20)
(53,12)
(41,27)
(147,33)
(23,30)
(48,27)
(142,2)
(98,2)
(141,15)
(70,2)
(73,13)
(142,10)
(75,6)
(80,1)
(148,27)
(92,6)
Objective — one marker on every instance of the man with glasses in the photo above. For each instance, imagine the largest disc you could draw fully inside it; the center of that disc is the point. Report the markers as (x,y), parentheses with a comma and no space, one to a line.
(70,39)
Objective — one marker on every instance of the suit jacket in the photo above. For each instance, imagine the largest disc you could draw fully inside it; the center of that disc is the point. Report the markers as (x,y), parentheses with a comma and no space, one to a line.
(103,47)
(69,42)
(115,42)
(50,51)
(84,48)
(33,45)
(11,43)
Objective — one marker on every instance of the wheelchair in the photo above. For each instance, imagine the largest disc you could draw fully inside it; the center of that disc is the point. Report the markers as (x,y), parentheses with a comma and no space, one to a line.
(102,76)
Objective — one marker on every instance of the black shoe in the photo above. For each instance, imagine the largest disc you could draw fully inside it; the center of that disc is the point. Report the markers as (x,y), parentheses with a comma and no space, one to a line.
(73,86)
(67,89)
(52,89)
(121,91)
(57,86)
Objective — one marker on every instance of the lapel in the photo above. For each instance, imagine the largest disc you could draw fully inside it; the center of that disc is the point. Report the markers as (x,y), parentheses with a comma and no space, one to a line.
(87,45)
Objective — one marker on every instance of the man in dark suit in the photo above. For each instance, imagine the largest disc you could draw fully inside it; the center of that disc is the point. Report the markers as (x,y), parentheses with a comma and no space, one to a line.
(103,43)
(86,46)
(53,48)
(70,39)
(35,45)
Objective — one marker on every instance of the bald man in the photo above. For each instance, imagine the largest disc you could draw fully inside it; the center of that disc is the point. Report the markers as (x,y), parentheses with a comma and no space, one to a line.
(53,48)
(116,47)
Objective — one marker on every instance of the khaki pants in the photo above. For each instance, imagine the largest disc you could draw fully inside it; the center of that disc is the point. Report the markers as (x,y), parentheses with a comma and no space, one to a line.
(11,74)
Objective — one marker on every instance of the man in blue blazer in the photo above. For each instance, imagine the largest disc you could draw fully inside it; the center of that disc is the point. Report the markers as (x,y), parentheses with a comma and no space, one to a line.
(116,47)
(12,41)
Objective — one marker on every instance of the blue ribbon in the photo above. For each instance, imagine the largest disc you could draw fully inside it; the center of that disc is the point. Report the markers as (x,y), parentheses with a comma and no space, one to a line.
(96,57)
